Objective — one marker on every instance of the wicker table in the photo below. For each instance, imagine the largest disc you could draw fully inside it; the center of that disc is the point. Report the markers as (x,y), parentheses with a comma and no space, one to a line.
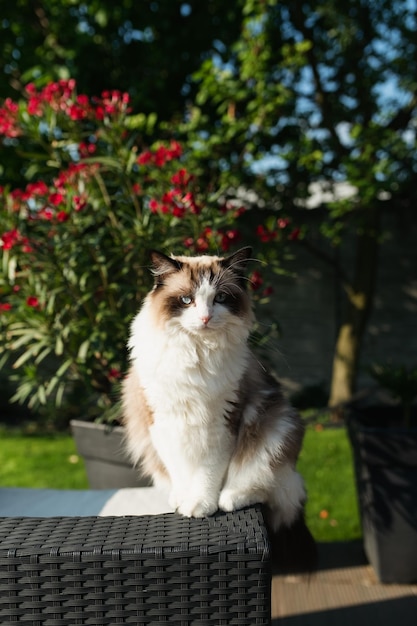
(65,571)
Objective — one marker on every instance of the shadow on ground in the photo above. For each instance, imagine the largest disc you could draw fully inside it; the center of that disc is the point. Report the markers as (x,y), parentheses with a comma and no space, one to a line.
(342,571)
(401,611)
(337,555)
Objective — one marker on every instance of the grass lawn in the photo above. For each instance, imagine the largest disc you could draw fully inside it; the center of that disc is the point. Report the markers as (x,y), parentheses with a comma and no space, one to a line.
(40,461)
(326,464)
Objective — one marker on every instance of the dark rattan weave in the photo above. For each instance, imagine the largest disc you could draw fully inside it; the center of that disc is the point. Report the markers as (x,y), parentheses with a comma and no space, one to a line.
(135,570)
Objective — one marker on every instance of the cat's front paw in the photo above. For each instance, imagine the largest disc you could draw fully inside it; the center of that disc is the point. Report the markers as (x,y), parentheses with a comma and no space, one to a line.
(191,507)
(231,500)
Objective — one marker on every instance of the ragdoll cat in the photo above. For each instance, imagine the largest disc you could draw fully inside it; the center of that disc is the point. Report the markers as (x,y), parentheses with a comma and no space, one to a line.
(202,415)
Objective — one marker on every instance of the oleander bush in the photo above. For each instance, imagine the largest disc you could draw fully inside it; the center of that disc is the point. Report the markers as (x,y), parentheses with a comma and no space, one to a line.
(97,193)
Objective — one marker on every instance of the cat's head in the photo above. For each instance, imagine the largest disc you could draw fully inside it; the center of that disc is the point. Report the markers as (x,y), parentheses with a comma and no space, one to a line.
(202,294)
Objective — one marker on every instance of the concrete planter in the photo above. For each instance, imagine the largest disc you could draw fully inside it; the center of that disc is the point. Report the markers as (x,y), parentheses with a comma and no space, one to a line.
(102,449)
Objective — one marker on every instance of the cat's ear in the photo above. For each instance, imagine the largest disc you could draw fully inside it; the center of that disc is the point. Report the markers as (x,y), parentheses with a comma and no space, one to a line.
(238,260)
(163,264)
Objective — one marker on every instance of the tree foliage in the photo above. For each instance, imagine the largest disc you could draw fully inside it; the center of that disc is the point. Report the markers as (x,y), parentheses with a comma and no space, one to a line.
(315,98)
(290,103)
(148,48)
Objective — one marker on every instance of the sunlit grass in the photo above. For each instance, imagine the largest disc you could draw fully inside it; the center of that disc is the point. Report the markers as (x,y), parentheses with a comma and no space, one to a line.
(327,467)
(40,461)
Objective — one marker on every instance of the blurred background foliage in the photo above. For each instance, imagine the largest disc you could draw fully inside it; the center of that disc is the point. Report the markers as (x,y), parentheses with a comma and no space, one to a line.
(278,102)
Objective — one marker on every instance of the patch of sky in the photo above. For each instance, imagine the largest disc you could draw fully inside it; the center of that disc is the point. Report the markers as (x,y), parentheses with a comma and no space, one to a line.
(343,131)
(390,95)
(129,33)
(186,9)
(85,27)
(219,46)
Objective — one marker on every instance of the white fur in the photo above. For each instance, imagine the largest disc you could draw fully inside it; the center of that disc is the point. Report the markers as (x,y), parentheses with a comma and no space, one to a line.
(190,367)
(178,365)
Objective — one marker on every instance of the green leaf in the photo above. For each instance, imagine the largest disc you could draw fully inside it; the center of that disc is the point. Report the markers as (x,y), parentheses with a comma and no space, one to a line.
(134,122)
(83,350)
(64,367)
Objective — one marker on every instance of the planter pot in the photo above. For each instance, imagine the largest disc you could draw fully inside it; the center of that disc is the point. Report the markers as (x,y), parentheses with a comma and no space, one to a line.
(386,474)
(102,448)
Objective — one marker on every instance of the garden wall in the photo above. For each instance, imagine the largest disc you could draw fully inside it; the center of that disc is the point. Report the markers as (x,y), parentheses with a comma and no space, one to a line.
(307,307)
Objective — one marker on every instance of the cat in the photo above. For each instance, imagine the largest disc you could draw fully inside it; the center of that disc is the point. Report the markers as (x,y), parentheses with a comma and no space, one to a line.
(202,416)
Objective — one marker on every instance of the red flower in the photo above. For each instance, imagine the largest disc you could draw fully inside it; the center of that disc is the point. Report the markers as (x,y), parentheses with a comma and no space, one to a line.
(10,238)
(26,247)
(86,149)
(178,211)
(80,109)
(201,245)
(190,202)
(181,178)
(99,113)
(32,301)
(295,234)
(59,96)
(114,374)
(264,234)
(5,306)
(145,157)
(240,211)
(170,197)
(62,216)
(75,173)
(160,156)
(112,103)
(228,238)
(175,150)
(9,126)
(256,280)
(189,242)
(39,188)
(35,106)
(56,198)
(79,202)
(153,206)
(283,222)
(46,213)
(34,102)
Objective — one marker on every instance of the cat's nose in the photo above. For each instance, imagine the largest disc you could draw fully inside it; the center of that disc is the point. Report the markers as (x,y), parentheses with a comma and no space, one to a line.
(205,319)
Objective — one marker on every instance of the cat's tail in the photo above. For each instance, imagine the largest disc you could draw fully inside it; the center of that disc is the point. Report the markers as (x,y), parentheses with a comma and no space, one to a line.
(293,548)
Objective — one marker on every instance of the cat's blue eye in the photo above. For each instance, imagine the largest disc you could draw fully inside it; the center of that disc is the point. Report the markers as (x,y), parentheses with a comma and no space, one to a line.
(220,297)
(186,300)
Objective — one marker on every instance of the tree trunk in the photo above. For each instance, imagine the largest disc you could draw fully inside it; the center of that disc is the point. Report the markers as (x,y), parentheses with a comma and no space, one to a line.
(358,305)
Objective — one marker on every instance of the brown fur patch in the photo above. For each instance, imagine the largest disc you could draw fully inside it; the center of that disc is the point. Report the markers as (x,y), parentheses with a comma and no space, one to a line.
(137,419)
